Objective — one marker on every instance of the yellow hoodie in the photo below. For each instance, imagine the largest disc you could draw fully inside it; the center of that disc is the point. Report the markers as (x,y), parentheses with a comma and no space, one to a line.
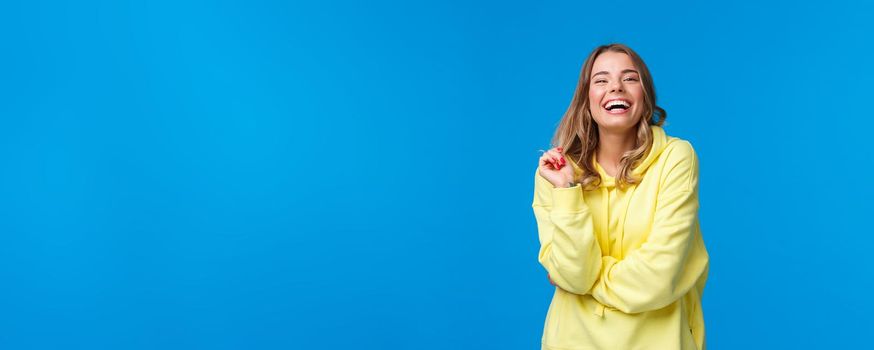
(629,266)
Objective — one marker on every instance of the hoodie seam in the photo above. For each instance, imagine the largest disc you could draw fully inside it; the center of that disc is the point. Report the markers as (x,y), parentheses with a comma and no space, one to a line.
(669,168)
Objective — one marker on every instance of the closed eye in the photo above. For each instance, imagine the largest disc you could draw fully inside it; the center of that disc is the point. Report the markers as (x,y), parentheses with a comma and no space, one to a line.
(604,81)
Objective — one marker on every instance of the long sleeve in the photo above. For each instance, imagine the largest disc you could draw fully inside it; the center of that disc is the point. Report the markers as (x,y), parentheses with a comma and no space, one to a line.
(662,269)
(568,248)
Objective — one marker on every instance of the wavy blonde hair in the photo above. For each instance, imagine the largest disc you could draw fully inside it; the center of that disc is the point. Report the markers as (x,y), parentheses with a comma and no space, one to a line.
(577,133)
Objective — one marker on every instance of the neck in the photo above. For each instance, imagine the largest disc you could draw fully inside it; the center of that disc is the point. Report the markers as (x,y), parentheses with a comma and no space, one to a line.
(611,146)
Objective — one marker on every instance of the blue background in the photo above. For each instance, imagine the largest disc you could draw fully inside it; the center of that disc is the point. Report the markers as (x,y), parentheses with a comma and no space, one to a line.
(333,174)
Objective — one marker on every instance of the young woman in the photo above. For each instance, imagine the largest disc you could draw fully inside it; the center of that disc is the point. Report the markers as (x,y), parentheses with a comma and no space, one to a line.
(616,204)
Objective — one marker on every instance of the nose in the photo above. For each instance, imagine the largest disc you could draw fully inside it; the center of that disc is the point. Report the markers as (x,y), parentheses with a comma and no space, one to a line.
(615,86)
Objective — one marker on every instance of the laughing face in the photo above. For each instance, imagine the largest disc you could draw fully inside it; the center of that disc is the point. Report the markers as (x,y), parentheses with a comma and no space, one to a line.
(615,92)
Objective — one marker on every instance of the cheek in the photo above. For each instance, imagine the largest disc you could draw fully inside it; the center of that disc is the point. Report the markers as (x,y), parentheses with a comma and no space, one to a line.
(637,92)
(593,105)
(594,97)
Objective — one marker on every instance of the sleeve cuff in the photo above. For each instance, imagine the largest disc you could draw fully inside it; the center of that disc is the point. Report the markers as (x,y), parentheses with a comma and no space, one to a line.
(568,199)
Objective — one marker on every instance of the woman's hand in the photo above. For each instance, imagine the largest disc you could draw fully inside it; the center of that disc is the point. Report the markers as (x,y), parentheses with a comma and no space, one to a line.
(554,167)
(550,280)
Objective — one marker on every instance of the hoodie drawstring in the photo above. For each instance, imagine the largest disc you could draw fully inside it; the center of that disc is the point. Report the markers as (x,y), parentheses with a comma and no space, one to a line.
(605,202)
(622,222)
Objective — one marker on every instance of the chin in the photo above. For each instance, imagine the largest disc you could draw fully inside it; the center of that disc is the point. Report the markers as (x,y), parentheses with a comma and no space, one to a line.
(617,123)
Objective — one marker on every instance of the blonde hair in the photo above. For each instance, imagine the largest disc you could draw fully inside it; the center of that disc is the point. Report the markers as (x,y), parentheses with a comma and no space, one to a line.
(577,133)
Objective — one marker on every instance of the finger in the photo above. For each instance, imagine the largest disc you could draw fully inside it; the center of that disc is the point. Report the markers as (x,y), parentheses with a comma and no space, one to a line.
(545,160)
(559,159)
(550,160)
(555,154)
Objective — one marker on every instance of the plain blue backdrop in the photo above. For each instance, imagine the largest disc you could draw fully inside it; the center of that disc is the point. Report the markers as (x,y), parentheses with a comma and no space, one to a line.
(359,175)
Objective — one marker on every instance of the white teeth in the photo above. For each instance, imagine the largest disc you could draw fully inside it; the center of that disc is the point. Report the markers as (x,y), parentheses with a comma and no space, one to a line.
(617,102)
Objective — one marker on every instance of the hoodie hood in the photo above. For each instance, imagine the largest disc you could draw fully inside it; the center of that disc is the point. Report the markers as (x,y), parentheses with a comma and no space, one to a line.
(659,143)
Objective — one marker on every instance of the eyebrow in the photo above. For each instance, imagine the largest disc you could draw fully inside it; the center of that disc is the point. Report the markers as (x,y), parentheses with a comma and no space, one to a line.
(623,72)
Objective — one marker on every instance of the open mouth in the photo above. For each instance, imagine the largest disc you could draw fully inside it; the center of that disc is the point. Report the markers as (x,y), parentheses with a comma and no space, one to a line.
(617,106)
